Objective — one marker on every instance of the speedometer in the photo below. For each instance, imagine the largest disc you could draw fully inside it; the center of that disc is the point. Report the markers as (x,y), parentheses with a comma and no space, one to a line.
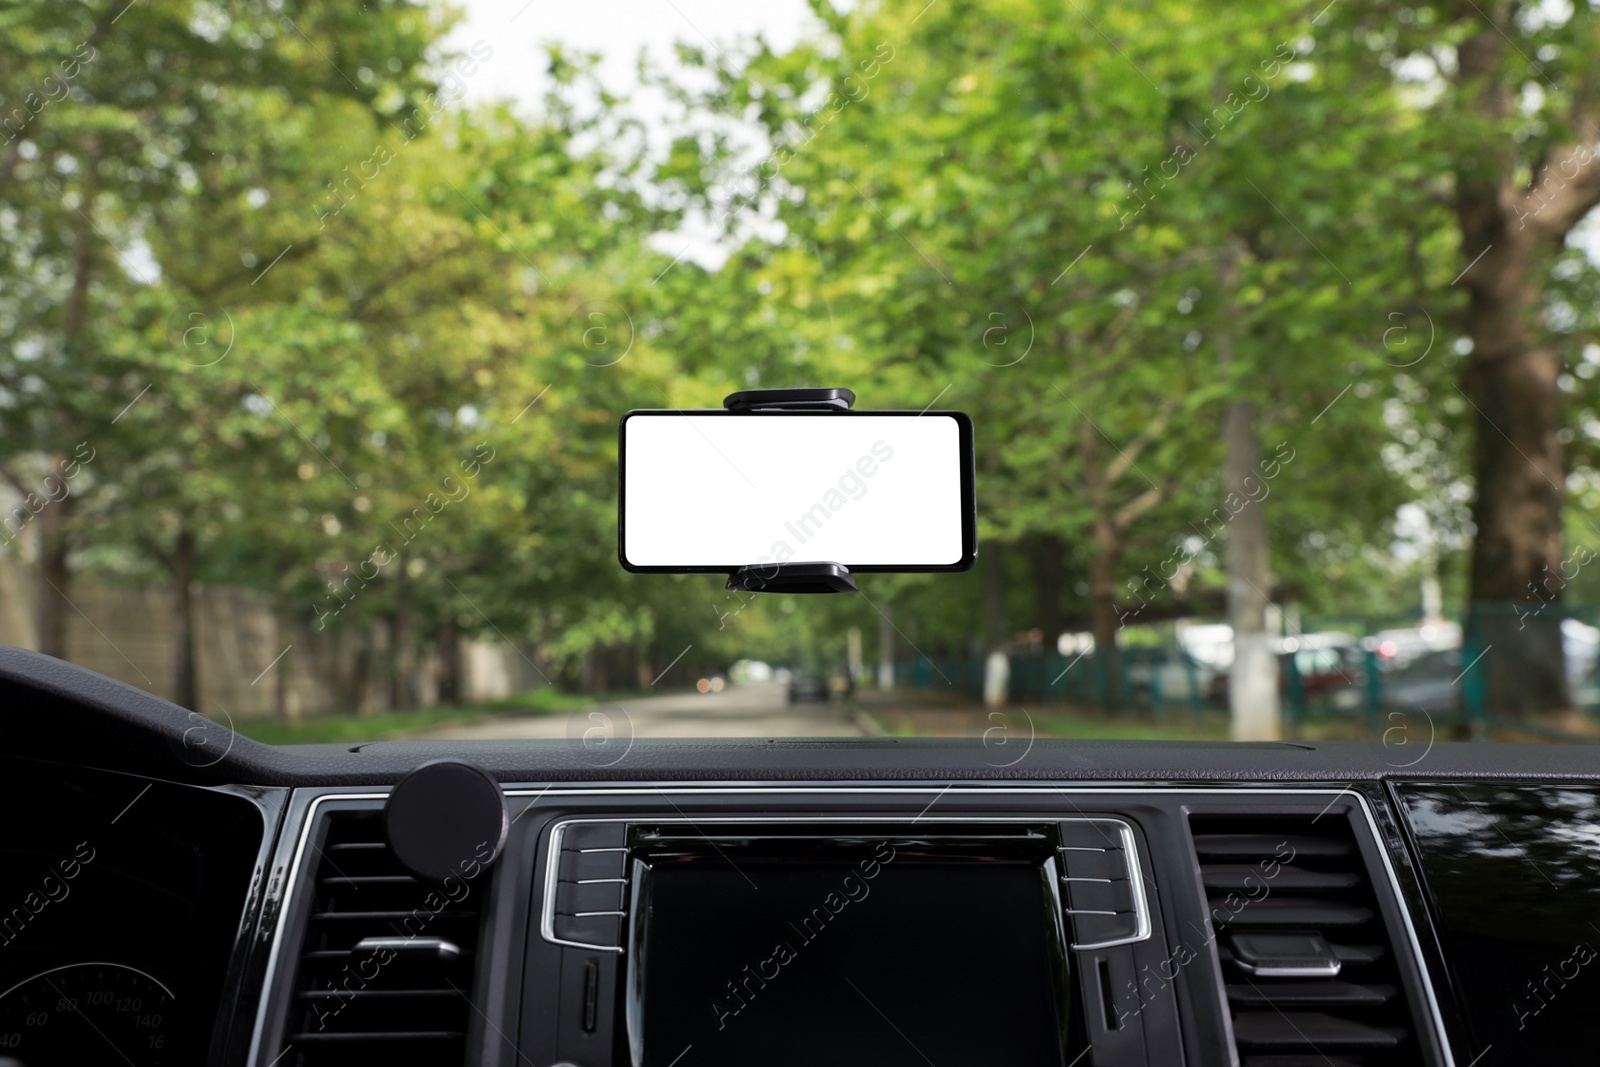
(87,1013)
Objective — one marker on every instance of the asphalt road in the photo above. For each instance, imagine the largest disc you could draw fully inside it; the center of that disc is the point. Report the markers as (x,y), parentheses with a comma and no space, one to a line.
(756,710)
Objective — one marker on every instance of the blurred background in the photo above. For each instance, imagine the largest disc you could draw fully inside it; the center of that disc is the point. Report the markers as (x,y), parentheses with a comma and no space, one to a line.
(1277,324)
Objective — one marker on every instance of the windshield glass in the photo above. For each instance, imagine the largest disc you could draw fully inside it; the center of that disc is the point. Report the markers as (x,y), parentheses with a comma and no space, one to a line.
(1275,326)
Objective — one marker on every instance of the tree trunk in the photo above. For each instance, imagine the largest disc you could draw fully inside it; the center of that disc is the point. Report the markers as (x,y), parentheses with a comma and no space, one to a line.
(994,595)
(55,576)
(403,640)
(1253,680)
(1253,685)
(1048,558)
(885,645)
(1103,620)
(996,665)
(185,670)
(55,572)
(994,573)
(644,674)
(449,661)
(1517,467)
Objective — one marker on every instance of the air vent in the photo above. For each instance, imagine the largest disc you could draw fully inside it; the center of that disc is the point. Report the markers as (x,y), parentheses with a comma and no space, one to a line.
(1310,971)
(385,970)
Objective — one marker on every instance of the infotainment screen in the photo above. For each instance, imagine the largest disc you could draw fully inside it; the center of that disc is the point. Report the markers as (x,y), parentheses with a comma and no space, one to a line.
(886,958)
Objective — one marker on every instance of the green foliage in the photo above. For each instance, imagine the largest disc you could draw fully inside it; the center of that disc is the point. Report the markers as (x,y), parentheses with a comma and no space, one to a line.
(365,350)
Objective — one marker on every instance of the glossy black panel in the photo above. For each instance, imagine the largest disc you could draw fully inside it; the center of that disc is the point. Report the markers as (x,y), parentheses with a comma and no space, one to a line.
(889,958)
(120,896)
(1513,876)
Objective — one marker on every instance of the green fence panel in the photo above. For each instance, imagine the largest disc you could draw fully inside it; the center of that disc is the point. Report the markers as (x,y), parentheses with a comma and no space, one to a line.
(1374,692)
(1296,705)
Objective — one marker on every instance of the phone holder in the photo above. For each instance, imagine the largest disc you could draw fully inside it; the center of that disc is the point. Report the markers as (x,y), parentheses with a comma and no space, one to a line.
(814,577)
(790,400)
(793,578)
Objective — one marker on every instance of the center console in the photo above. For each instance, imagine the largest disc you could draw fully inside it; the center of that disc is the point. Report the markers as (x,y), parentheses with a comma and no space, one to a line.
(712,925)
(833,930)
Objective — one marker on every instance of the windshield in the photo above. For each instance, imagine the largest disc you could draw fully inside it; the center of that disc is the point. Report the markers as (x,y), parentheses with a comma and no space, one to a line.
(1275,326)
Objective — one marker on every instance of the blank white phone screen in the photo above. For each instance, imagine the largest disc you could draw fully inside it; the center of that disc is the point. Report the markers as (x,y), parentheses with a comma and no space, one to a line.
(732,490)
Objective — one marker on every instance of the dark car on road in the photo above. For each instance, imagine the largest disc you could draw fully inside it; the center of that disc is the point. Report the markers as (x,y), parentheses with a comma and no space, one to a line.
(804,687)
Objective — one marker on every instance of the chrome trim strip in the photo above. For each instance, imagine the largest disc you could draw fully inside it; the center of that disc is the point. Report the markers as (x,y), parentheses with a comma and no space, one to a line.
(1141,903)
(692,790)
(552,877)
(287,898)
(1411,930)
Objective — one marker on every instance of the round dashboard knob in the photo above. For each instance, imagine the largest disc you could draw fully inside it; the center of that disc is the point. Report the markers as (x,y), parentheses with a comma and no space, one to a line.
(445,819)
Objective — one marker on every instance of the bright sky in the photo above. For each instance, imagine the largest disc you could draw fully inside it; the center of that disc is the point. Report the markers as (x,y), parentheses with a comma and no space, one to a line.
(617,29)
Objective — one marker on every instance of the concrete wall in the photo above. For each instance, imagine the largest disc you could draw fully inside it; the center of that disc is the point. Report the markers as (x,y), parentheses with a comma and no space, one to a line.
(125,632)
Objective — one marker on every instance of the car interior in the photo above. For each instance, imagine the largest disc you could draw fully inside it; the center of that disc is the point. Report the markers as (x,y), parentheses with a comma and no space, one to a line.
(818,533)
(187,895)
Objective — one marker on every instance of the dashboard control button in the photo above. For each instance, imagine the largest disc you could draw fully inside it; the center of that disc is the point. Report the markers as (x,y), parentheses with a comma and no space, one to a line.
(1093,927)
(1099,895)
(1098,833)
(1108,864)
(582,835)
(599,930)
(579,866)
(574,897)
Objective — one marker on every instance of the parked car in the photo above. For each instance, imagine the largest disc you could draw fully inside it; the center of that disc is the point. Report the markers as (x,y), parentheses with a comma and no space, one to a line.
(1329,668)
(1177,673)
(1399,647)
(805,686)
(1431,681)
(1427,682)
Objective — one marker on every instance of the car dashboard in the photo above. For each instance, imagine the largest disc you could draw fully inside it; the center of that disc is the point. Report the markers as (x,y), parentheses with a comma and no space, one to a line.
(175,894)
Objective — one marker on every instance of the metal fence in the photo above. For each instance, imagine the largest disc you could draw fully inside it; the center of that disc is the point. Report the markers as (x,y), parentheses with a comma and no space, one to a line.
(1364,688)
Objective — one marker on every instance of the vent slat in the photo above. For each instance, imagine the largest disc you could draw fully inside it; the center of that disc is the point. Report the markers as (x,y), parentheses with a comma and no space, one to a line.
(391,916)
(399,1009)
(1266,993)
(1250,877)
(1292,911)
(1348,955)
(377,1037)
(344,954)
(1269,845)
(374,994)
(1310,1029)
